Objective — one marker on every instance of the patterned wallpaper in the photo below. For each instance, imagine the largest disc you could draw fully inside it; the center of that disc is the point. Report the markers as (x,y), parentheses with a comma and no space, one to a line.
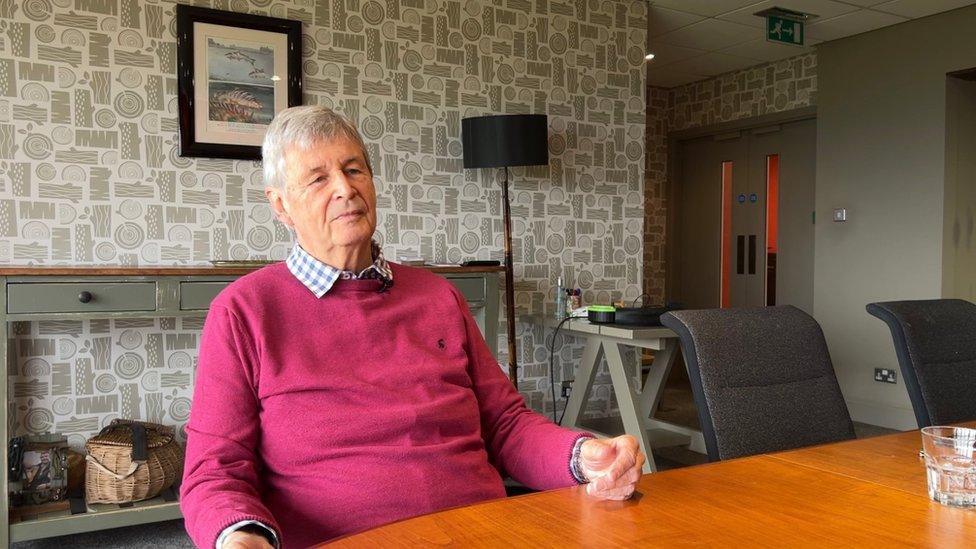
(779,86)
(655,198)
(90,171)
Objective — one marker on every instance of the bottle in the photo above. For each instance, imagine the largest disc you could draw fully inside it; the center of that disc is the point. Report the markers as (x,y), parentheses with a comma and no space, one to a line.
(560,299)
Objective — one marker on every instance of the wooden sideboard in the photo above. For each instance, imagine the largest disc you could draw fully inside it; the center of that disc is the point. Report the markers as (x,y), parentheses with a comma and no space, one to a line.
(78,293)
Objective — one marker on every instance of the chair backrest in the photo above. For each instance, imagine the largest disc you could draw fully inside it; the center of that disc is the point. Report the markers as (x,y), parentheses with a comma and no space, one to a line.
(935,341)
(761,378)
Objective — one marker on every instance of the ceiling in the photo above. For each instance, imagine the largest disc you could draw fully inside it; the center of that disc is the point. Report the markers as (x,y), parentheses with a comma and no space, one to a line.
(697,39)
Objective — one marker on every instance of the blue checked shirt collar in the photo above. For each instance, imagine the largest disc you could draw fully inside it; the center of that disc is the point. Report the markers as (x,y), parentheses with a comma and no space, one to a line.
(320,277)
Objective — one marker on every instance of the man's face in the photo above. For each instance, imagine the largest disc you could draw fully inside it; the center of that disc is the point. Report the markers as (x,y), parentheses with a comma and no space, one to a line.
(328,197)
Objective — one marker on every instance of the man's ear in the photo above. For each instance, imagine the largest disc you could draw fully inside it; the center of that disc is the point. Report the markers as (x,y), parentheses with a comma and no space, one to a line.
(277,202)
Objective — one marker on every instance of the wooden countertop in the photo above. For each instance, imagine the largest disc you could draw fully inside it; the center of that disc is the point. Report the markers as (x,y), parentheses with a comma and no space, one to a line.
(198,270)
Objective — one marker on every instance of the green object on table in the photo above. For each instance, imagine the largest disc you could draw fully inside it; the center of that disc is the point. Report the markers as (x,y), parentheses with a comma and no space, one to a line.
(601,314)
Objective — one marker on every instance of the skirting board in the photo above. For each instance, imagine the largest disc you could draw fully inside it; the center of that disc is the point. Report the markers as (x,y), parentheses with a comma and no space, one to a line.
(892,417)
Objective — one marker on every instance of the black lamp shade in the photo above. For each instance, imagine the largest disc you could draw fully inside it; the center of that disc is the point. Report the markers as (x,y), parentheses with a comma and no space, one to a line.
(505,140)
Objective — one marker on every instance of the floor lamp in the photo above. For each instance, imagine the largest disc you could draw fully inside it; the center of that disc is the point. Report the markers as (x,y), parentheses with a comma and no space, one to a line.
(504,141)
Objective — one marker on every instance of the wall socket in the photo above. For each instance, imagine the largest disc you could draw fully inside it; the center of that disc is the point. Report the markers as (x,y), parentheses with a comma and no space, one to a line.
(566,389)
(885,375)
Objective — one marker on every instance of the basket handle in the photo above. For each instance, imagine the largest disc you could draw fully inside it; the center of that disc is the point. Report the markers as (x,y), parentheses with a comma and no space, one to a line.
(140,442)
(139,434)
(132,468)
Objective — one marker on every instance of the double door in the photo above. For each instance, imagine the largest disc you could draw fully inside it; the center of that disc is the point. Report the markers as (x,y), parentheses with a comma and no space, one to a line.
(744,214)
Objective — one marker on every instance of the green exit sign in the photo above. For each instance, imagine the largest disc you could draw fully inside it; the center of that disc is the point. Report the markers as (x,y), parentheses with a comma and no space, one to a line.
(784,31)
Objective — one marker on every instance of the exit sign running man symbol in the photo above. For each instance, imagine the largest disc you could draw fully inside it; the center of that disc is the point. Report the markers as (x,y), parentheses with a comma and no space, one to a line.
(784,31)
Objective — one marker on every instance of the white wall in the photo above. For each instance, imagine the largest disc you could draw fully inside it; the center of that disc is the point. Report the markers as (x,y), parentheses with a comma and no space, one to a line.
(959,234)
(881,154)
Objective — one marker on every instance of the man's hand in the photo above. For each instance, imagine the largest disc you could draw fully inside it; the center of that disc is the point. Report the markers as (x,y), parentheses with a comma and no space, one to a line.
(246,540)
(612,465)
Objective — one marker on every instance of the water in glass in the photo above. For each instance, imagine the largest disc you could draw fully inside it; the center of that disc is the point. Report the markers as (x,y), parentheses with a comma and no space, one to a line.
(950,460)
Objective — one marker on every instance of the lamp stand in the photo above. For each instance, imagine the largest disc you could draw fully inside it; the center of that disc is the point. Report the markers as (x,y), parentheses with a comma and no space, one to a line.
(509,286)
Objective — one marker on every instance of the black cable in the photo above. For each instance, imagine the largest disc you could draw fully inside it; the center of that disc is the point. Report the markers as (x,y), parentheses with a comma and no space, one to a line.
(562,415)
(640,296)
(552,375)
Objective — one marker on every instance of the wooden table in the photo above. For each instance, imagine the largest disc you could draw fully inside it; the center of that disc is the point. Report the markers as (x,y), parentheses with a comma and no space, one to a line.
(892,461)
(637,403)
(825,496)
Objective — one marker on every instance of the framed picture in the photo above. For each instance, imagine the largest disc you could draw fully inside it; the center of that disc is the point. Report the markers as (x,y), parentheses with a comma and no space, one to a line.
(38,473)
(236,71)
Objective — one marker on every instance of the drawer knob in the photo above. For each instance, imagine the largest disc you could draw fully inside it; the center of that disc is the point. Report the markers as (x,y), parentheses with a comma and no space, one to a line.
(85,297)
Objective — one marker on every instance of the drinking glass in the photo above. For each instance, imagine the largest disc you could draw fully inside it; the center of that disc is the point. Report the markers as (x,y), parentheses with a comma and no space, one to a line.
(950,461)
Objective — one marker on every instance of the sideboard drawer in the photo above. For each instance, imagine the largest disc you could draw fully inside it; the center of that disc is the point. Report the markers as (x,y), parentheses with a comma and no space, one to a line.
(196,296)
(473,289)
(80,297)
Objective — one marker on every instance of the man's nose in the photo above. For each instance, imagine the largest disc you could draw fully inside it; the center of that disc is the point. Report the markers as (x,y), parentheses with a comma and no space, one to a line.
(343,187)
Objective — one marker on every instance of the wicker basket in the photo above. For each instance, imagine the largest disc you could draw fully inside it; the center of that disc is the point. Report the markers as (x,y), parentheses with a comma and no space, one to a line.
(119,471)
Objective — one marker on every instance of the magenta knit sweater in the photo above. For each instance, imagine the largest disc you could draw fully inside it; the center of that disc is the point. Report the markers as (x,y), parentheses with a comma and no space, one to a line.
(323,417)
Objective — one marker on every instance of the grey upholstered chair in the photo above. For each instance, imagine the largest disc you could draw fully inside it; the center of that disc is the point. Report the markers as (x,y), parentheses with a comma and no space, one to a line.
(935,341)
(761,378)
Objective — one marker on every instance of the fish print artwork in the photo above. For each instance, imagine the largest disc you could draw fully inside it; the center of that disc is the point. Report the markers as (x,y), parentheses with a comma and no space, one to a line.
(241,81)
(233,106)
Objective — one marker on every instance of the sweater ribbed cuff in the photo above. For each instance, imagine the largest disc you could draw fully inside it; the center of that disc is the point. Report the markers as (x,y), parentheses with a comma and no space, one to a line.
(240,523)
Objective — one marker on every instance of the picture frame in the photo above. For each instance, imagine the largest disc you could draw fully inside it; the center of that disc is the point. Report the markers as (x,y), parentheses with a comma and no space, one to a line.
(38,477)
(235,72)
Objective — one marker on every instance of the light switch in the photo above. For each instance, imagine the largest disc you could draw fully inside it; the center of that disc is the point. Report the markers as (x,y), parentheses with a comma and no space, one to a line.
(840,214)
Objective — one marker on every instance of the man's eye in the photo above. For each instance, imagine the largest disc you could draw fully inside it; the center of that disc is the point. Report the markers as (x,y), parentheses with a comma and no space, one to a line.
(354,171)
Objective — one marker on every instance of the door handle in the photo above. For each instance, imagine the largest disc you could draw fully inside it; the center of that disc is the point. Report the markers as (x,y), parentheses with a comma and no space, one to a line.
(740,248)
(752,254)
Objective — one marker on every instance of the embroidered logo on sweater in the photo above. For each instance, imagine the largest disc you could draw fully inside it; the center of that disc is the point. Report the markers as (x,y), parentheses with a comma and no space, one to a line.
(440,344)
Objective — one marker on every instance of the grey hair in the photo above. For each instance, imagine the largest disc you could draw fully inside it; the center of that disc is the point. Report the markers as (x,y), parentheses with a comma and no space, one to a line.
(301,127)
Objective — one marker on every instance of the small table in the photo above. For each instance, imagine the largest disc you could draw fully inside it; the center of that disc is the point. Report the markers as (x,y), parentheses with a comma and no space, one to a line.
(637,404)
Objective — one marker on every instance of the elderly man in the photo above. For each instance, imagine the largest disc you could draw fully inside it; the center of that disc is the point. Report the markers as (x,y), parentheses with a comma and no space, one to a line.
(337,391)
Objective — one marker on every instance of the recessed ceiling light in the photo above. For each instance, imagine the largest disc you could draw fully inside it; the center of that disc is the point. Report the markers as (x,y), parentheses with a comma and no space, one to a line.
(648,57)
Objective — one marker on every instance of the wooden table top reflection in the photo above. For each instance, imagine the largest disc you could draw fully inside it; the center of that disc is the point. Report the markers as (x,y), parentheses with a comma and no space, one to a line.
(891,460)
(868,492)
